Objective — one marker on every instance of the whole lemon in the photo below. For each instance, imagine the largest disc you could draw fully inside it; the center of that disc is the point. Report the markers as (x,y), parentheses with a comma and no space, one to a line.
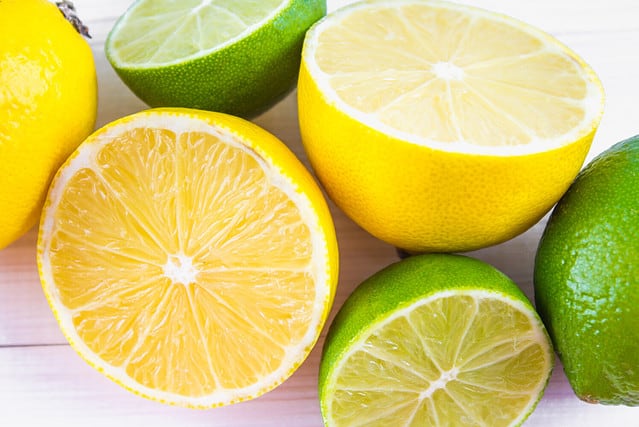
(48,105)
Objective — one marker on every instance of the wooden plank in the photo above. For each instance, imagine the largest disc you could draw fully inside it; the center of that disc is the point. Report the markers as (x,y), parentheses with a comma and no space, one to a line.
(50,385)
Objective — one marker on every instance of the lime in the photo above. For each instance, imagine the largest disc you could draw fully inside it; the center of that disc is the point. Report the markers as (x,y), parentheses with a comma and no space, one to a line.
(447,122)
(587,277)
(434,339)
(238,57)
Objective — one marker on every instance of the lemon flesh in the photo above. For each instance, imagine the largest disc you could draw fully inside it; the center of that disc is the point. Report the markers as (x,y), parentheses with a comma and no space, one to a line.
(237,57)
(453,77)
(586,278)
(434,340)
(188,256)
(452,128)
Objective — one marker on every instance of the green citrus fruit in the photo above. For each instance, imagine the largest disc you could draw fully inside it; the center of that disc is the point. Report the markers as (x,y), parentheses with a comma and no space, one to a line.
(587,278)
(238,57)
(434,339)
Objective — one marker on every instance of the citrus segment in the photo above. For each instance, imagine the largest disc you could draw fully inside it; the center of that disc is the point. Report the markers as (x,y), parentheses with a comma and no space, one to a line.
(444,340)
(189,256)
(447,122)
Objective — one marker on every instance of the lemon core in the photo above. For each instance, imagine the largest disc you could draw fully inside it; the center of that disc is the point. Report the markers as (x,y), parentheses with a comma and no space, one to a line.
(179,269)
(447,71)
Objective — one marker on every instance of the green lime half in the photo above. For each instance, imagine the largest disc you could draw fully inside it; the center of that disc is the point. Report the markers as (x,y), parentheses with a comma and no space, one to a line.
(234,56)
(434,340)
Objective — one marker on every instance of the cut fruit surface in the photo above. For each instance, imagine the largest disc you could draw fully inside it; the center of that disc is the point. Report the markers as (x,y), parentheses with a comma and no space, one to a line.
(156,33)
(189,256)
(453,77)
(452,128)
(442,340)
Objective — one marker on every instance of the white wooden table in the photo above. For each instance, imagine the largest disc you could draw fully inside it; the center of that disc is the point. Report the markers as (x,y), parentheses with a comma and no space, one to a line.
(43,382)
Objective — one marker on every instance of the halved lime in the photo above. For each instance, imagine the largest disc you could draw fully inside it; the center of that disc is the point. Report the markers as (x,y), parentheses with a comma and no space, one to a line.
(233,56)
(441,340)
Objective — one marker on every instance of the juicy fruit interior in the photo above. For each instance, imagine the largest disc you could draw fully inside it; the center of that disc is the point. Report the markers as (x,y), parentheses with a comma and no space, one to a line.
(444,362)
(185,266)
(171,24)
(441,74)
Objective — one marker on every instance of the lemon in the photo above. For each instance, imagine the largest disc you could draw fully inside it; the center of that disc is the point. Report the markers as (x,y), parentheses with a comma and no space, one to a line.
(189,256)
(587,278)
(237,57)
(48,103)
(441,127)
(434,339)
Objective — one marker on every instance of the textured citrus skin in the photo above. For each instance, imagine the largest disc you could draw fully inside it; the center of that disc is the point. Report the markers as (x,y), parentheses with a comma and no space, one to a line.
(276,154)
(587,278)
(243,79)
(400,285)
(422,199)
(48,105)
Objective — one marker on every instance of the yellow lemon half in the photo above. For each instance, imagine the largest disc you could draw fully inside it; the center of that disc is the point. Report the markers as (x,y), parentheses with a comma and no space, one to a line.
(441,127)
(189,256)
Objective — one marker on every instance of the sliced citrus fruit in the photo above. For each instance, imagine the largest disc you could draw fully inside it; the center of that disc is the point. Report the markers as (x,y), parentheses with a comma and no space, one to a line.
(189,256)
(452,127)
(436,339)
(235,56)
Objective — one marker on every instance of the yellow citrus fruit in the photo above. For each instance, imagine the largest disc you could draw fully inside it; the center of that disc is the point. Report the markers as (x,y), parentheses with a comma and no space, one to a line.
(48,103)
(441,127)
(235,56)
(434,340)
(189,256)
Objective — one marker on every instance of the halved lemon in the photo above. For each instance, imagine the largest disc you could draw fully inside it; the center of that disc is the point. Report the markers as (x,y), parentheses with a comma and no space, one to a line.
(188,256)
(442,127)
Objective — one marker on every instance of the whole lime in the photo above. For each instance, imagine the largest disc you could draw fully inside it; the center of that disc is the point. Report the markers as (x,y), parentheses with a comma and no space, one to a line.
(238,57)
(587,278)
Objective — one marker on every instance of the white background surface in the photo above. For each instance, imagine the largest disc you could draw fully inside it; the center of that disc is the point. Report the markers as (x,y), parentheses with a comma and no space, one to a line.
(43,382)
